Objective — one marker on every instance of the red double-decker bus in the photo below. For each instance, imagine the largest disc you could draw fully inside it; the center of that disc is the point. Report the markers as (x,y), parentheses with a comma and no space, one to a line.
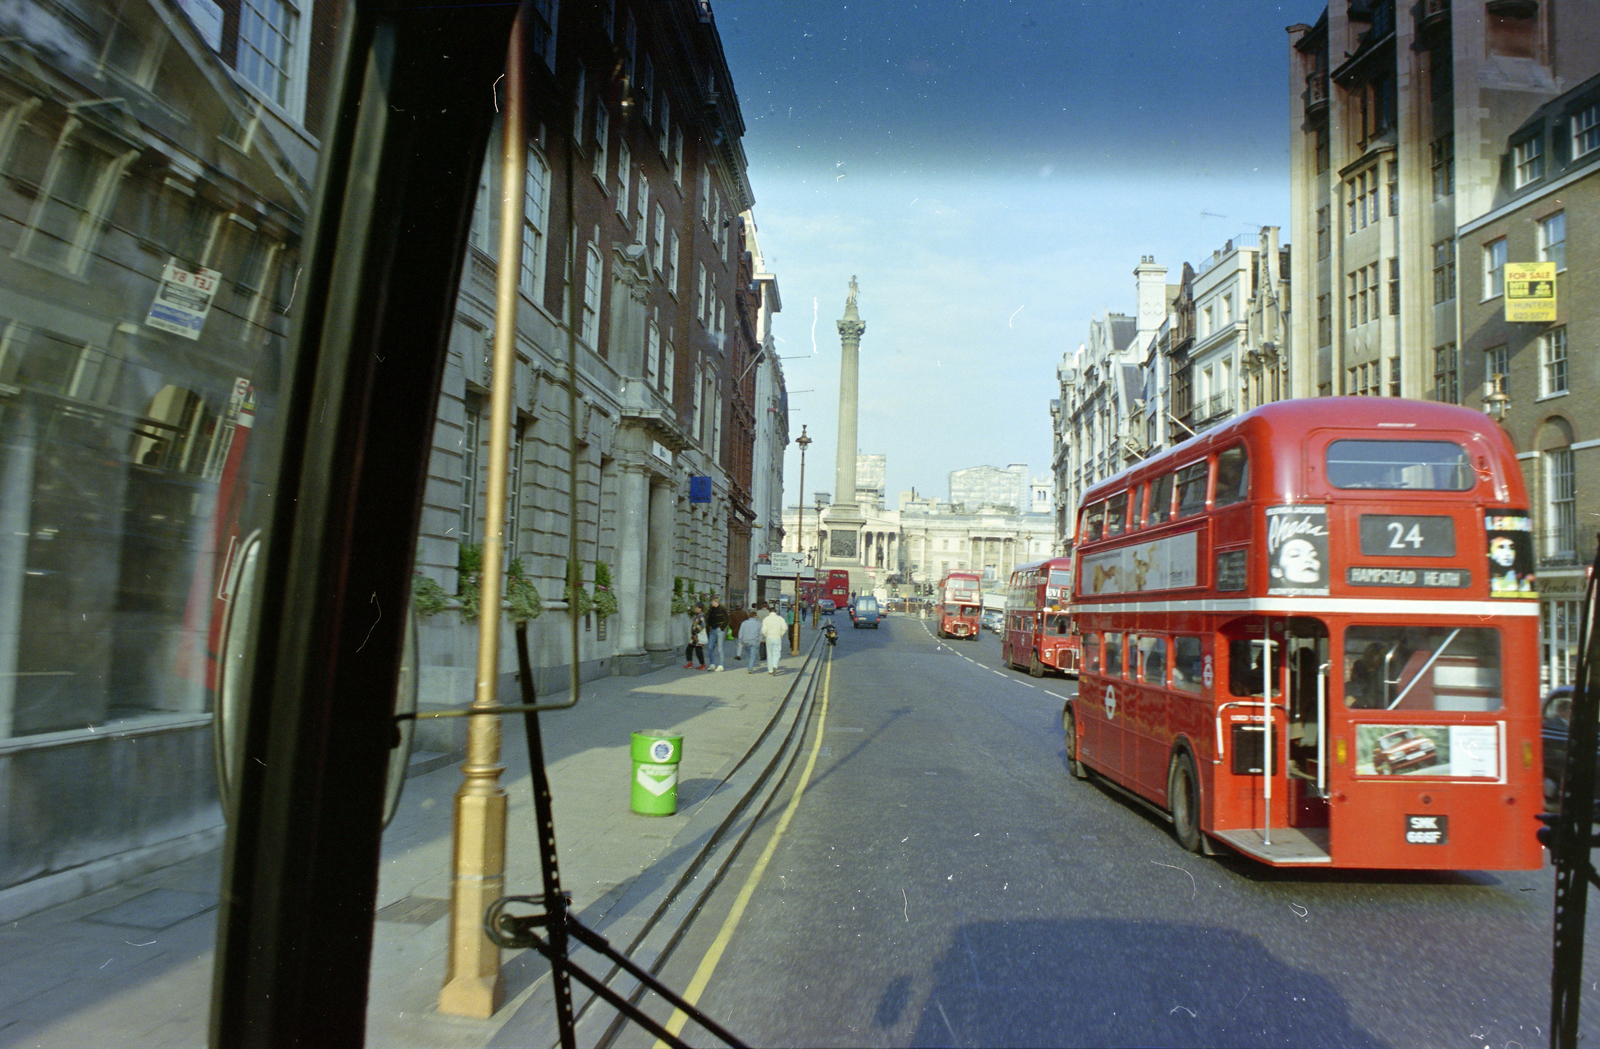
(1038,627)
(960,605)
(1311,634)
(836,587)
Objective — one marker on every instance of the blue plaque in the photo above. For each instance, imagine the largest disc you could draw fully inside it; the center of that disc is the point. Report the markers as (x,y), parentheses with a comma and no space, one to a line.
(699,489)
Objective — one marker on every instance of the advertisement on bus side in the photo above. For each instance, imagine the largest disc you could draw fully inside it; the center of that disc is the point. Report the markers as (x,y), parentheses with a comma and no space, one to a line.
(1166,564)
(1450,751)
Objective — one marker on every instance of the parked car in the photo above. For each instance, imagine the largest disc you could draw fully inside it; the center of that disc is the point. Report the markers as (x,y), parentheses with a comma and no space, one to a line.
(1402,750)
(864,611)
(993,619)
(1557,716)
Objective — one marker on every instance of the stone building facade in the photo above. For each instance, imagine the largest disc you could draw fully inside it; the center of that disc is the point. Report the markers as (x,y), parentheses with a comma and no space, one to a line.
(642,260)
(157,181)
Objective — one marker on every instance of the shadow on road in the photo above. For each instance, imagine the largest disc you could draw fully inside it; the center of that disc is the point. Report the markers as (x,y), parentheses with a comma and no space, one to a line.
(1106,982)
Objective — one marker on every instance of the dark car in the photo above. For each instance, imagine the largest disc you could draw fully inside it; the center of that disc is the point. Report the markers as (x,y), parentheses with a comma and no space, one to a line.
(1557,716)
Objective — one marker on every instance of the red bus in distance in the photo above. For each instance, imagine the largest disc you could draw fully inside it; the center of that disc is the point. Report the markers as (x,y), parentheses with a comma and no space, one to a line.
(1311,634)
(836,587)
(960,605)
(1038,627)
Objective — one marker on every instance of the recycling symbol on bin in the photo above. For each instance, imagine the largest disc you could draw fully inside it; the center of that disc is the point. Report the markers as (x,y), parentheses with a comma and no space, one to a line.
(657,779)
(661,750)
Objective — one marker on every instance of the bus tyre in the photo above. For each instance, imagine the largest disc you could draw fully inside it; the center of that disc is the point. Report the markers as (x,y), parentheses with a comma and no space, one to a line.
(1183,794)
(1035,668)
(1069,725)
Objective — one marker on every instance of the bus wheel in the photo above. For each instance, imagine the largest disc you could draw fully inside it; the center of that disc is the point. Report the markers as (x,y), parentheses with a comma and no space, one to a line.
(1035,668)
(1183,794)
(1069,725)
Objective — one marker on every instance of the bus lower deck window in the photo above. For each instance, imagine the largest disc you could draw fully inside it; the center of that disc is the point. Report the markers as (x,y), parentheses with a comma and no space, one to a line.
(1113,663)
(1187,664)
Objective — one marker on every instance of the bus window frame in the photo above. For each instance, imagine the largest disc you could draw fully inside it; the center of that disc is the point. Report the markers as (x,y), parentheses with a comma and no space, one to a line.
(1239,493)
(1092,524)
(1157,642)
(1120,644)
(1191,686)
(1116,514)
(1163,484)
(1182,485)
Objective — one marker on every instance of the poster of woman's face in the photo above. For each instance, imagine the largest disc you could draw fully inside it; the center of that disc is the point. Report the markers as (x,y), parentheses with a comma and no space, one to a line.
(1297,550)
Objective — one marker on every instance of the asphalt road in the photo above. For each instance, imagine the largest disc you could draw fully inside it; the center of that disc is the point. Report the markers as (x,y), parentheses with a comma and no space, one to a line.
(943,881)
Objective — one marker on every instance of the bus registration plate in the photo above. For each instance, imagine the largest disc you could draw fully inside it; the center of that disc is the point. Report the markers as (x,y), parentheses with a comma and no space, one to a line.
(1427,830)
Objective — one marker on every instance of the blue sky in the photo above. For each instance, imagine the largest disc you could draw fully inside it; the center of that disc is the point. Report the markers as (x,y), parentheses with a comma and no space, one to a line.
(991,172)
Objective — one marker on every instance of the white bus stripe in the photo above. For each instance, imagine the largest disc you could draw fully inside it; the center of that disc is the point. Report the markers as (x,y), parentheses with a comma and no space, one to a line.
(1328,605)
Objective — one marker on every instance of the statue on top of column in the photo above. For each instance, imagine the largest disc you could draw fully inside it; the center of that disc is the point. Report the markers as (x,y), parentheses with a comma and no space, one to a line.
(851,301)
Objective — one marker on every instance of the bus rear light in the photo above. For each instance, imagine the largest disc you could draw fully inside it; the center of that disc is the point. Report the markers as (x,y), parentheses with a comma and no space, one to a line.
(1340,751)
(1527,753)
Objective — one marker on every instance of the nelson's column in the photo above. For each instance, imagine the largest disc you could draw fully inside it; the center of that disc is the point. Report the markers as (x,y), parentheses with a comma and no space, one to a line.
(844,516)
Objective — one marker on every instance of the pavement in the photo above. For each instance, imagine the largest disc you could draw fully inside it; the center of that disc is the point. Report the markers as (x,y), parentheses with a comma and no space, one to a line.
(131,964)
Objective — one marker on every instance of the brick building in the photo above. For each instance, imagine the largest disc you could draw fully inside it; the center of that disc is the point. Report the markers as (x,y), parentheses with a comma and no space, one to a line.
(1546,210)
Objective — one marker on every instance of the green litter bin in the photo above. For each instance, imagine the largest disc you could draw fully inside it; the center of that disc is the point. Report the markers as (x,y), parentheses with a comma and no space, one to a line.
(655,772)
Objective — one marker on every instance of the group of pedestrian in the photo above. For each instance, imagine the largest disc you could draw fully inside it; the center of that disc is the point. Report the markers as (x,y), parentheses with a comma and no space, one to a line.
(707,627)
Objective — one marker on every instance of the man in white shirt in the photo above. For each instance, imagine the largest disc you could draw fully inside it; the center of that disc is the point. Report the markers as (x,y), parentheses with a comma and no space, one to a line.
(773,631)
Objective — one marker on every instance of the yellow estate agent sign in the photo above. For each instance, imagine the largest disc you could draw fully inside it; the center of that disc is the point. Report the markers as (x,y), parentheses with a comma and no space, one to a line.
(1530,291)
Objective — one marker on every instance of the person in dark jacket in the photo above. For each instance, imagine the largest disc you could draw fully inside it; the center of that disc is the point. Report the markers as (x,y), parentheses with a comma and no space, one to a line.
(717,629)
(696,648)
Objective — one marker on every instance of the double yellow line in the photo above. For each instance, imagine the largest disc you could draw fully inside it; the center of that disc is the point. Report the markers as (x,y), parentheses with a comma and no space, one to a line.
(708,964)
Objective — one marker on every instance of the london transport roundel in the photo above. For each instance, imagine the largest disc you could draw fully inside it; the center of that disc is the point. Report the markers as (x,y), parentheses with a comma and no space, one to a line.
(1111,701)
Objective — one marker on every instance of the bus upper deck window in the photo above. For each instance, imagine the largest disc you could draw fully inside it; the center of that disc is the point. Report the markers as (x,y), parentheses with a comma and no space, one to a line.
(1192,488)
(1093,520)
(1233,476)
(1430,466)
(1116,513)
(1160,499)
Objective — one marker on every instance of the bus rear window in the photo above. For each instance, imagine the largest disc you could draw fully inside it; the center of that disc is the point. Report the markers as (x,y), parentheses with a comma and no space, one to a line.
(1432,466)
(1422,668)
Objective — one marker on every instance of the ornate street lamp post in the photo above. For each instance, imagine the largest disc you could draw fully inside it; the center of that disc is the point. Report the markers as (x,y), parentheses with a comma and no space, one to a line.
(800,537)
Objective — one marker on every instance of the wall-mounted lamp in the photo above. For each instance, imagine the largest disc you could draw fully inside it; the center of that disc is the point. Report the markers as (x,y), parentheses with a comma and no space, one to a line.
(1496,402)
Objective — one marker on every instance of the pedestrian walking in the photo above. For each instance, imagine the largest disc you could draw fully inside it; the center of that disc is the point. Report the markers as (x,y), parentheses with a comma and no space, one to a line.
(773,629)
(695,651)
(750,641)
(717,628)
